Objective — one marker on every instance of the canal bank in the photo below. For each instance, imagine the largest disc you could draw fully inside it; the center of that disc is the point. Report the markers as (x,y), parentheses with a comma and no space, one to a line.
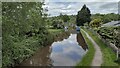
(89,55)
(109,56)
(65,52)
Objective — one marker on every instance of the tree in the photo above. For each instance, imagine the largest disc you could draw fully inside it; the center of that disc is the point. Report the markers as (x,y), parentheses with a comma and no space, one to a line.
(83,16)
(23,31)
(57,24)
(65,18)
(96,23)
(110,17)
(106,17)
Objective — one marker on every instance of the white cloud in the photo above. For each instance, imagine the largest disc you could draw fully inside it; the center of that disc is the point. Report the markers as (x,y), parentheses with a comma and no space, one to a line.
(68,48)
(71,8)
(83,0)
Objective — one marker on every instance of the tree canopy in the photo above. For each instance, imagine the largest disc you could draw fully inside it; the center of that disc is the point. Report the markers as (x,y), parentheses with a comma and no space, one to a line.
(83,16)
(23,30)
(65,18)
(96,23)
(106,17)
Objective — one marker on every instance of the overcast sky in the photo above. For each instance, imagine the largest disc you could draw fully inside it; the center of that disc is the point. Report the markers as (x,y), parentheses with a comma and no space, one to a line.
(71,7)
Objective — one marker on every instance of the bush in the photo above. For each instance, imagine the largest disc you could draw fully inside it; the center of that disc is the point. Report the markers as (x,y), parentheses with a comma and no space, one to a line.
(96,23)
(110,33)
(57,24)
(24,31)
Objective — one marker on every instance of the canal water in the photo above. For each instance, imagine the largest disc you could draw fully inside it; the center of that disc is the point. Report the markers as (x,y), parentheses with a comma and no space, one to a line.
(67,52)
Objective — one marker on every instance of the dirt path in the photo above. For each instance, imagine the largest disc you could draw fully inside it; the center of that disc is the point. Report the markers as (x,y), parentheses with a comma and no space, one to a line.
(97,60)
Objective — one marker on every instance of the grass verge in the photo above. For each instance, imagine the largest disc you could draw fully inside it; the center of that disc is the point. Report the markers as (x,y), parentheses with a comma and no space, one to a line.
(108,55)
(88,57)
(55,31)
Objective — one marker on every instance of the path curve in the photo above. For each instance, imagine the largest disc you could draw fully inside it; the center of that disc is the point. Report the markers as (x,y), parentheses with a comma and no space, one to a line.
(97,60)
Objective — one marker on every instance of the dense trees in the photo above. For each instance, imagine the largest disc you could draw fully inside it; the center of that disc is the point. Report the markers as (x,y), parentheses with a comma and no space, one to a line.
(23,30)
(106,17)
(57,24)
(59,21)
(83,16)
(65,18)
(110,17)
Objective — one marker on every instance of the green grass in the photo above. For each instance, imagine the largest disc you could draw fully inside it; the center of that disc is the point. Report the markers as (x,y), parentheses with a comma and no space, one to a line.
(88,57)
(108,55)
(55,30)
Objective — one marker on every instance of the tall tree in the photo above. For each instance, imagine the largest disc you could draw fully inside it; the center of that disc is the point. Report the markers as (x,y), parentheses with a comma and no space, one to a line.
(83,16)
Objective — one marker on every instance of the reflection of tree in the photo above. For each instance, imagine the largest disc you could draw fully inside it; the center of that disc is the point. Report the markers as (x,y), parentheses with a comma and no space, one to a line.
(81,41)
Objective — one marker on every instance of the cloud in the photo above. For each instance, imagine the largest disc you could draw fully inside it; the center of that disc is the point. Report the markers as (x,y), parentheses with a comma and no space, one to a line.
(67,52)
(71,8)
(111,6)
(119,7)
(83,0)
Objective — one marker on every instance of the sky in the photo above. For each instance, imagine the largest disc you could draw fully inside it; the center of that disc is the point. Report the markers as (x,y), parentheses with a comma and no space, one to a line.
(71,7)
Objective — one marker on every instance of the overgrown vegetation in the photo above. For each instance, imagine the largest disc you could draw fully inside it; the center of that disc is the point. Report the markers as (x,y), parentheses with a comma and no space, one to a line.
(96,23)
(110,34)
(59,22)
(23,31)
(106,17)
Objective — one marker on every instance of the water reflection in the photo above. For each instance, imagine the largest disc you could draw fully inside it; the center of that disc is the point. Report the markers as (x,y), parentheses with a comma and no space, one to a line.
(81,41)
(61,53)
(67,52)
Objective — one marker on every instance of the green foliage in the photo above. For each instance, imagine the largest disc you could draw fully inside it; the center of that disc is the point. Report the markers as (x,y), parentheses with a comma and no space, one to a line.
(24,31)
(65,18)
(110,17)
(96,23)
(106,17)
(110,33)
(57,24)
(72,19)
(117,36)
(83,16)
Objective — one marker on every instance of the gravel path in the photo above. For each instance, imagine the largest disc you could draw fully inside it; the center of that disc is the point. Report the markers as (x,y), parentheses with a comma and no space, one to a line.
(97,60)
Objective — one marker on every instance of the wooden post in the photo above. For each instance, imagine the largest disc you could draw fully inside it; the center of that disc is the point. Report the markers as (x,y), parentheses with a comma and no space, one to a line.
(117,53)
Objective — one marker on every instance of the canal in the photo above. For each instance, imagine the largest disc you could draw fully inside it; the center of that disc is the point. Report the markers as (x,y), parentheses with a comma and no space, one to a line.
(67,52)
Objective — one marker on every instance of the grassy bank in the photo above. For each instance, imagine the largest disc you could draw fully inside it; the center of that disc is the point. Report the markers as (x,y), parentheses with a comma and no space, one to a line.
(108,55)
(87,59)
(55,31)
